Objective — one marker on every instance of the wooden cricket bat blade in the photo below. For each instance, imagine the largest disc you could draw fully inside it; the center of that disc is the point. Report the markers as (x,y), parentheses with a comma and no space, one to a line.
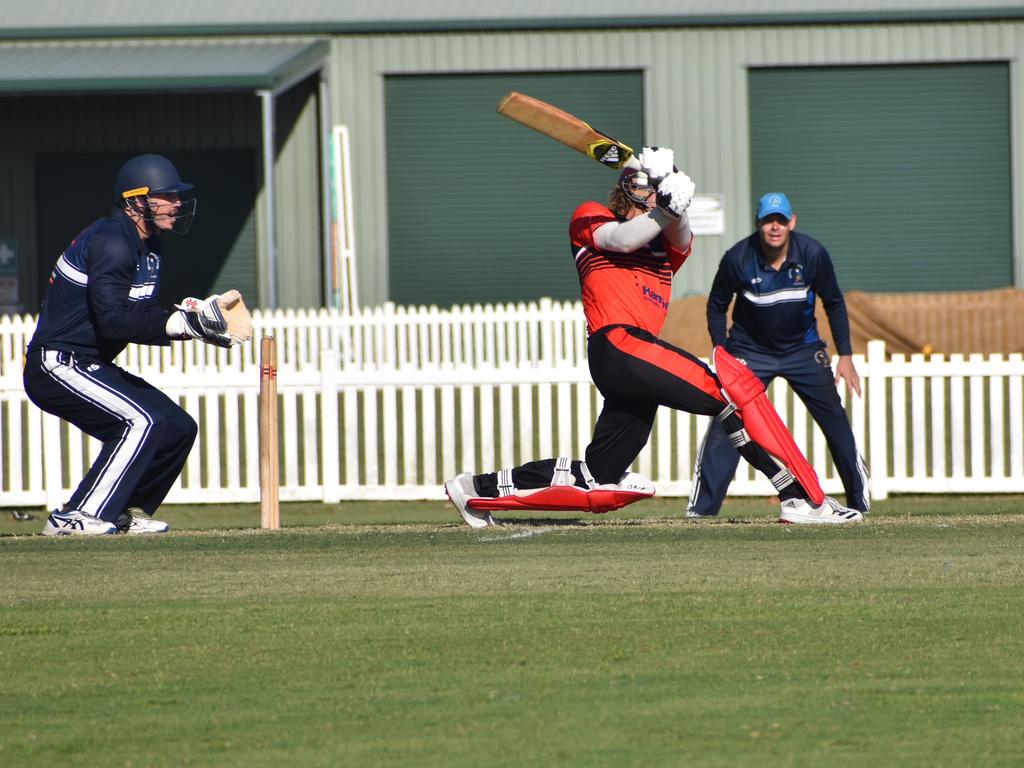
(563,127)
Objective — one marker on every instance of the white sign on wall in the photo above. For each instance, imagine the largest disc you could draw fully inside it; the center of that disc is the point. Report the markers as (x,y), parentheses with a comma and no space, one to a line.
(707,214)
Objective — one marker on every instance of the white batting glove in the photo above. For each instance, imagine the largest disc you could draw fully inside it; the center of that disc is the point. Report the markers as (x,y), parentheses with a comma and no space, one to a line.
(656,162)
(675,193)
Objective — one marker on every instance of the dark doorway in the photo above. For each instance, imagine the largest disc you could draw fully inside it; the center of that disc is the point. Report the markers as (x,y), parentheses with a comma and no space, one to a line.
(219,253)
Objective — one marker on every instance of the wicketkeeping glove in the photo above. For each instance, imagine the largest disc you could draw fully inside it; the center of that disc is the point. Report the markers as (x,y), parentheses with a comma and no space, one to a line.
(237,315)
(675,193)
(221,314)
(203,320)
(656,162)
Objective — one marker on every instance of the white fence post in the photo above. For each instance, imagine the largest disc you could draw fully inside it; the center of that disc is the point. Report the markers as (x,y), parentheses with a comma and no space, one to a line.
(330,456)
(52,458)
(878,421)
(1016,419)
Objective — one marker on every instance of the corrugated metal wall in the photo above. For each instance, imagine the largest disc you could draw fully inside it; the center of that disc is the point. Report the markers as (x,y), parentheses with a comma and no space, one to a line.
(887,144)
(297,182)
(441,249)
(696,100)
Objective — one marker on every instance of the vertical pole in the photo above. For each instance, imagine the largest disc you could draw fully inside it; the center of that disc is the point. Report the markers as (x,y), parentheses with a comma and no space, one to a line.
(327,193)
(270,205)
(270,508)
(330,453)
(878,421)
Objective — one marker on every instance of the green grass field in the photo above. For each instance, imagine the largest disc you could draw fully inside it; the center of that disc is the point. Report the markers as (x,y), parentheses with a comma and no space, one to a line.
(388,634)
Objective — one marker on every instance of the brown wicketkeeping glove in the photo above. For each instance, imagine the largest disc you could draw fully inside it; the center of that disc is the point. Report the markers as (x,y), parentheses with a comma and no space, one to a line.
(237,315)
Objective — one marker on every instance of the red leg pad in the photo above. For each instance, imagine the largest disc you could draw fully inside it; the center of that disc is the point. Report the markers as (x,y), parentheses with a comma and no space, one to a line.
(762,421)
(559,498)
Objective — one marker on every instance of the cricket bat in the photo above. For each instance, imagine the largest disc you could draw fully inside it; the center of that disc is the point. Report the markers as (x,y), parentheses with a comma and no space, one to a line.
(565,128)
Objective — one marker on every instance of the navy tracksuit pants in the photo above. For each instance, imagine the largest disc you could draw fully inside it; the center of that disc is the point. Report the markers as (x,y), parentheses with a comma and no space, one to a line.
(146,436)
(809,373)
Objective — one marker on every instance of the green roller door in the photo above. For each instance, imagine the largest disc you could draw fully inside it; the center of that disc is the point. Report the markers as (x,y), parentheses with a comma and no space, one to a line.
(478,205)
(903,172)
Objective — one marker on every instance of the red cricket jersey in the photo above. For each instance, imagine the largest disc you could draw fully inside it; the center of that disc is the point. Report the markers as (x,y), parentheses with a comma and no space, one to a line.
(622,288)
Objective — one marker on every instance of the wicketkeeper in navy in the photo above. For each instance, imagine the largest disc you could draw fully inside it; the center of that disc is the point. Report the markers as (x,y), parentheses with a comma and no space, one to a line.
(102,295)
(776,275)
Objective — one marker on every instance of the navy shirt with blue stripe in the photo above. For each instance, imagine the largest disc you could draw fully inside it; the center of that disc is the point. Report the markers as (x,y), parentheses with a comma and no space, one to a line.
(102,293)
(774,309)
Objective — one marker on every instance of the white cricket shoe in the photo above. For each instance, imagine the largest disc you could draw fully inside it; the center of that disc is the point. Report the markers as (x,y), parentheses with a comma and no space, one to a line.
(75,523)
(830,512)
(694,514)
(460,490)
(130,522)
(636,483)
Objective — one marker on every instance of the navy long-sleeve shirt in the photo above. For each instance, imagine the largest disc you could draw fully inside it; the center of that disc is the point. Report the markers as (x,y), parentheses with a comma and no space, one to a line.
(774,309)
(102,293)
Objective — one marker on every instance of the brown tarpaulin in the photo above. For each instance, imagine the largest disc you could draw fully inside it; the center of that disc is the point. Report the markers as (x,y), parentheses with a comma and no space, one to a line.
(976,321)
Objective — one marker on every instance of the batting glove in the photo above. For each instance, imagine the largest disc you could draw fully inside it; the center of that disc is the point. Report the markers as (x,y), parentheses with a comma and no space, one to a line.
(675,193)
(201,320)
(656,162)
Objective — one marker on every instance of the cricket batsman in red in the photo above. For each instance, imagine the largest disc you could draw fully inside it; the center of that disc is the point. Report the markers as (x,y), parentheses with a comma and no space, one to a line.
(626,254)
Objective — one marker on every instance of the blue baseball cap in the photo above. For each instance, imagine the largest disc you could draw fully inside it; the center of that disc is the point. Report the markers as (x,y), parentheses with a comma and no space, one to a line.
(774,202)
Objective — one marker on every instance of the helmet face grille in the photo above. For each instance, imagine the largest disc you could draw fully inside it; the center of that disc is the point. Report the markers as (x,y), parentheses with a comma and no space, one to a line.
(637,187)
(183,219)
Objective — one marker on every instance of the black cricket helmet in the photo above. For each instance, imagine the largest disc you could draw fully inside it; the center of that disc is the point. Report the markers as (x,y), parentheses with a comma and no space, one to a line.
(147,175)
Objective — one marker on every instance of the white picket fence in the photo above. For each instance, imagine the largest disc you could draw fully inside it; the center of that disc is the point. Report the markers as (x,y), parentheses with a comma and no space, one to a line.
(543,332)
(389,403)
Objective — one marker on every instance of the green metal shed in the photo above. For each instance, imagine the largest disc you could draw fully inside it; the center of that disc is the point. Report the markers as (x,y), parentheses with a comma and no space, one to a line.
(234,115)
(702,73)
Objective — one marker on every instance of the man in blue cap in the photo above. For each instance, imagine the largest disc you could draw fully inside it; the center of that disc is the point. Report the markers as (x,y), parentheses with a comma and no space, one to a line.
(775,275)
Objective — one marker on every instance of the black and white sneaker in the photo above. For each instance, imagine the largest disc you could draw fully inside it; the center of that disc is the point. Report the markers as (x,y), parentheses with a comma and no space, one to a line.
(829,512)
(134,524)
(74,523)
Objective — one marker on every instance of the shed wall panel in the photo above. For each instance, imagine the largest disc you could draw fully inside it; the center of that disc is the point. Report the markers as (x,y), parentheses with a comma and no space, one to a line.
(695,99)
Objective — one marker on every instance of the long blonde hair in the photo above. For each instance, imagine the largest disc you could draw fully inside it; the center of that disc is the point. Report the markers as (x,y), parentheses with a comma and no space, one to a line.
(619,202)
